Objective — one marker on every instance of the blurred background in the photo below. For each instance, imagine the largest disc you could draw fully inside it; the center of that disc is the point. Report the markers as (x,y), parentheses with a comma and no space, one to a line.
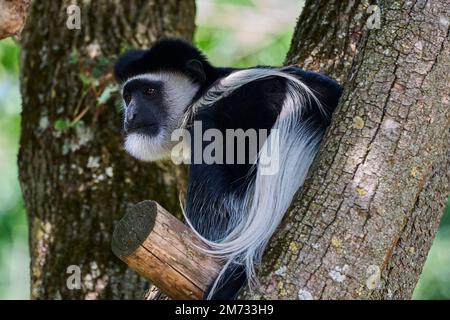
(232,33)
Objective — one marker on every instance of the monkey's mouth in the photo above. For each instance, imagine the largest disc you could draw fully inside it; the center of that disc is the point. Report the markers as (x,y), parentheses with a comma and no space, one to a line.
(147,129)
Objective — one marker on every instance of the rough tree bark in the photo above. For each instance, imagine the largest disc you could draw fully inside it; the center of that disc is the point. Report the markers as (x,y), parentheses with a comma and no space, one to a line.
(75,177)
(331,45)
(363,223)
(13,15)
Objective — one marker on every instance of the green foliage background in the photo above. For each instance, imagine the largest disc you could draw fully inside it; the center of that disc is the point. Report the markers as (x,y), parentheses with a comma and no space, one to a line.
(219,45)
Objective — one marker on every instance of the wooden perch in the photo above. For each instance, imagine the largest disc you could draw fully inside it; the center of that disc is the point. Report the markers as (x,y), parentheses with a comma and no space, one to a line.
(163,250)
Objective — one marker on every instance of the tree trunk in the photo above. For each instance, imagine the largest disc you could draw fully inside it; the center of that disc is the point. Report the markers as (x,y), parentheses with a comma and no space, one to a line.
(362,225)
(327,36)
(75,176)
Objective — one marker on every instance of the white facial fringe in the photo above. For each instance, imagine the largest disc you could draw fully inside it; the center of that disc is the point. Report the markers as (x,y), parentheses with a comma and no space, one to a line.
(178,91)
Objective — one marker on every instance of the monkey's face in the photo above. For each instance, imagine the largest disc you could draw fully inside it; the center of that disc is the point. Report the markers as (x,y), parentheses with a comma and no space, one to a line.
(155,105)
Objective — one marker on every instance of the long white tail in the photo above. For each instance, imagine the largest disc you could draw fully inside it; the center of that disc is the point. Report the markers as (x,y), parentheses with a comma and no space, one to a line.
(255,219)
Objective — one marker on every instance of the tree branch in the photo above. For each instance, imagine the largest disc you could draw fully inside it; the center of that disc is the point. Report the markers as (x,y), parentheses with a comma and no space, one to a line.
(164,251)
(13,14)
(331,45)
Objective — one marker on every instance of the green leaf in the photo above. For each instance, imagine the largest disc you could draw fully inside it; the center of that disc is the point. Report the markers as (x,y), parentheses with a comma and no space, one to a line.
(84,79)
(9,56)
(97,72)
(125,47)
(103,61)
(95,82)
(73,58)
(62,124)
(75,124)
(88,81)
(106,94)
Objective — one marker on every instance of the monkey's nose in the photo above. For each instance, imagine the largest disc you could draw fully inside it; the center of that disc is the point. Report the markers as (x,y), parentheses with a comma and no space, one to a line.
(131,116)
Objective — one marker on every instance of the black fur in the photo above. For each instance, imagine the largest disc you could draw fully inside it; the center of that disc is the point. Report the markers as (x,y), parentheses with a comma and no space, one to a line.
(255,105)
(169,55)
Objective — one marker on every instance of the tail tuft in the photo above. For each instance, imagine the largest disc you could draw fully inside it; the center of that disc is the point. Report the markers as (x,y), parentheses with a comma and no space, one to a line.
(294,143)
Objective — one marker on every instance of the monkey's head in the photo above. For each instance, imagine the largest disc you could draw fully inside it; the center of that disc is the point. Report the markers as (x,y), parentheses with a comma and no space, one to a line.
(158,86)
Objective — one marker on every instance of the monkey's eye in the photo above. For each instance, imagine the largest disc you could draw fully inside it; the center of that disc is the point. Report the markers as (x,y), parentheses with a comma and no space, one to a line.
(149,91)
(127,97)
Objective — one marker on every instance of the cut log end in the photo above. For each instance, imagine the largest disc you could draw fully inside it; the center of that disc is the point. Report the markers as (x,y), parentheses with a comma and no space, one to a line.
(165,251)
(132,230)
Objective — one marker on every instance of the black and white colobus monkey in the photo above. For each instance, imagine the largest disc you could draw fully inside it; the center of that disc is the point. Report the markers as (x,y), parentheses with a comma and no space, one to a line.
(234,207)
